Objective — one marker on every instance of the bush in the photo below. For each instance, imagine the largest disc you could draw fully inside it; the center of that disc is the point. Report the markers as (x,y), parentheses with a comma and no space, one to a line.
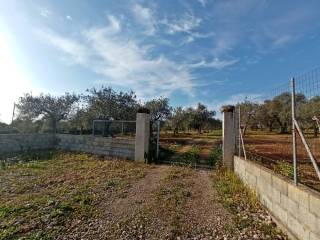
(192,156)
(215,156)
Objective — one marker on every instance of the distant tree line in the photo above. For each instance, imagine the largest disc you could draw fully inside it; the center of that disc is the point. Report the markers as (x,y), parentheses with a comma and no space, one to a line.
(72,113)
(275,114)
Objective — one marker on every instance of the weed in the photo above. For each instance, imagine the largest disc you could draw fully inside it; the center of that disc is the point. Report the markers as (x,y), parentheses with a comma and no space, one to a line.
(242,202)
(190,157)
(285,168)
(215,156)
(111,184)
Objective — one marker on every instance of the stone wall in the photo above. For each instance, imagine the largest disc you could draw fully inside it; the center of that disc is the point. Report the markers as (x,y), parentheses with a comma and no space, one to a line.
(113,147)
(10,143)
(296,208)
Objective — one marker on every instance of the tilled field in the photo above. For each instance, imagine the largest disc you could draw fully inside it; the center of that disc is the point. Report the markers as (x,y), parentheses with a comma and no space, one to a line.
(274,151)
(76,196)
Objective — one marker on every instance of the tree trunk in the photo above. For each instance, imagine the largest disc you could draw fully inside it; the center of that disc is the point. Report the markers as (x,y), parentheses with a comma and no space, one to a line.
(315,130)
(270,127)
(54,125)
(175,131)
(284,128)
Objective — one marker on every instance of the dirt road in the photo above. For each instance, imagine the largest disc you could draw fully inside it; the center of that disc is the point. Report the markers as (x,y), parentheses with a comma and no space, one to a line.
(168,203)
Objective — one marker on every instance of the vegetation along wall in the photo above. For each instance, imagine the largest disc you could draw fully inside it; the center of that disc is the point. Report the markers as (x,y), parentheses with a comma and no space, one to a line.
(296,208)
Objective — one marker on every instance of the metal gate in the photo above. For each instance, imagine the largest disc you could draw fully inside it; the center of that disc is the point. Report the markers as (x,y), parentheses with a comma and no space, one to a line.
(154,148)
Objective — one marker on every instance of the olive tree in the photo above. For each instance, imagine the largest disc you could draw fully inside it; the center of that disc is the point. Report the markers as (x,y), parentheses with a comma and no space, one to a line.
(159,109)
(308,114)
(199,116)
(46,107)
(105,103)
(178,120)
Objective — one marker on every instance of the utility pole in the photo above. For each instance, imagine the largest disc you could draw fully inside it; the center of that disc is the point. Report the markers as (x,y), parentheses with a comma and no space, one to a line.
(14,108)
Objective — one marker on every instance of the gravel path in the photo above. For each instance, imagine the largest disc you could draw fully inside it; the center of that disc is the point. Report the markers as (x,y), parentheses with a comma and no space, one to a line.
(168,203)
(207,218)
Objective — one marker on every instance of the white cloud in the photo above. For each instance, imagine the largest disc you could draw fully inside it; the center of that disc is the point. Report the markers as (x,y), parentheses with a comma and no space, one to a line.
(114,24)
(185,24)
(76,50)
(196,35)
(282,40)
(215,63)
(68,17)
(144,16)
(203,2)
(45,12)
(123,62)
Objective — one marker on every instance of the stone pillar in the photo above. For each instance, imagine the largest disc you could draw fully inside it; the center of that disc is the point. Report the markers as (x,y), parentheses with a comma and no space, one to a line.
(228,136)
(142,136)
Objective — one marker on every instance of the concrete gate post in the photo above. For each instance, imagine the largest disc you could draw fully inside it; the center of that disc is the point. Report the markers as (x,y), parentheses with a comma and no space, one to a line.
(228,135)
(142,136)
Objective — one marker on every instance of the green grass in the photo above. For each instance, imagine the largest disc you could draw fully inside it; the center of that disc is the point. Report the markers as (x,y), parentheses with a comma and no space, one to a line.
(26,156)
(285,169)
(39,198)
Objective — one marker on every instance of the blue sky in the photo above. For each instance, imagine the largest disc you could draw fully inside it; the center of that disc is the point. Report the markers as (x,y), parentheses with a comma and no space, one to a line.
(212,51)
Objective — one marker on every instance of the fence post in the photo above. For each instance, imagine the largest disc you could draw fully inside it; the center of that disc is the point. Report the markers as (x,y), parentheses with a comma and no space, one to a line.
(158,137)
(294,143)
(142,136)
(239,129)
(228,136)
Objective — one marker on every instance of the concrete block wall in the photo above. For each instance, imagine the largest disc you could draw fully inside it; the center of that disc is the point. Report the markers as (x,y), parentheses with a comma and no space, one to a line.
(296,208)
(113,147)
(10,143)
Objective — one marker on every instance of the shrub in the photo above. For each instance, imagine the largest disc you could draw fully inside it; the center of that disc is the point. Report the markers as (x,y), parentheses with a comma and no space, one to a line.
(192,156)
(215,156)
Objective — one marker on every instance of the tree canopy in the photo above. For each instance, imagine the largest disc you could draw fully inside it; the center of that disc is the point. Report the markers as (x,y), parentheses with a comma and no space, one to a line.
(46,107)
(159,109)
(75,114)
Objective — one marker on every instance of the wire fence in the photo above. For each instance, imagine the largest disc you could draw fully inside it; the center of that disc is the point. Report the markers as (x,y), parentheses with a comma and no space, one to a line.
(280,128)
(113,128)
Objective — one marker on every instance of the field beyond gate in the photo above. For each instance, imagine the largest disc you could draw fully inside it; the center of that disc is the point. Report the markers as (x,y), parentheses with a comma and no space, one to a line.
(192,149)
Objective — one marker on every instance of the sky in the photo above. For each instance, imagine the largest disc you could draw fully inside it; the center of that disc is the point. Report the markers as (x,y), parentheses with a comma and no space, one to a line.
(211,51)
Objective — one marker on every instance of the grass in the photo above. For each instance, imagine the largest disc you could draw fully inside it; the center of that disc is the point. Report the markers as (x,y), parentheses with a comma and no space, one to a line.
(215,134)
(26,156)
(243,204)
(285,168)
(40,198)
